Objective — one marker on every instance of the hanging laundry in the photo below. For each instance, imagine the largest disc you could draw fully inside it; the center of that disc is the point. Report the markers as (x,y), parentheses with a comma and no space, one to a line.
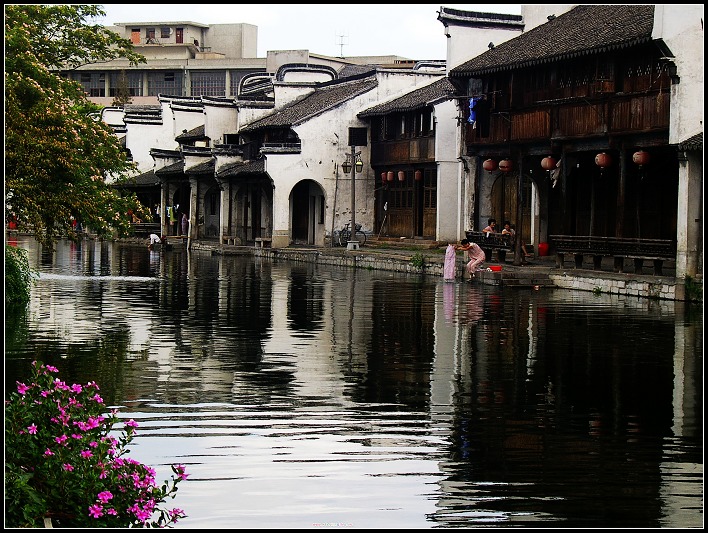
(473,112)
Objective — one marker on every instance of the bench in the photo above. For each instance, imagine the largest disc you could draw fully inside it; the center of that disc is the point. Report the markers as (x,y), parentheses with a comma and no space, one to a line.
(639,250)
(262,242)
(488,242)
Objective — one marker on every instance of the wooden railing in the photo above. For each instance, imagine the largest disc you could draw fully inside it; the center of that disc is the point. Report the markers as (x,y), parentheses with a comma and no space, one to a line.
(656,250)
(144,229)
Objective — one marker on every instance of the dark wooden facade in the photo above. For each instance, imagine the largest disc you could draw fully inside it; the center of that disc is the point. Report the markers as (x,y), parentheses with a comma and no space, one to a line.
(404,142)
(616,102)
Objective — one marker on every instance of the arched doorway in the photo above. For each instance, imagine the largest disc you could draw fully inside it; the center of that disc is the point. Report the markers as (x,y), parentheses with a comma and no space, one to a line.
(307,213)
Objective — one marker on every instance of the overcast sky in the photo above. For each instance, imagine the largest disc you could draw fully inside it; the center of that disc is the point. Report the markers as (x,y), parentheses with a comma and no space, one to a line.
(408,30)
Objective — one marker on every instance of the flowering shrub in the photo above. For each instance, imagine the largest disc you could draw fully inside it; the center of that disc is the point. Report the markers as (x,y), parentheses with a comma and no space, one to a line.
(62,462)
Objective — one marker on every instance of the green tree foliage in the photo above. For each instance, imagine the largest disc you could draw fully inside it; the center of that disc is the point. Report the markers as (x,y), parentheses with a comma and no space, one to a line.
(18,276)
(59,155)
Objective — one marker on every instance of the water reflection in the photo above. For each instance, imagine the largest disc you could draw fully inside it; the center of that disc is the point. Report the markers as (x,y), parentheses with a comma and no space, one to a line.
(307,396)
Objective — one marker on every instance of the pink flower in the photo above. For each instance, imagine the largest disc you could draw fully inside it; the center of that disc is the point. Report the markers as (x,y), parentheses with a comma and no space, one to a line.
(76,388)
(131,423)
(48,452)
(96,511)
(176,513)
(97,398)
(67,467)
(32,429)
(93,444)
(61,439)
(104,496)
(52,368)
(21,387)
(181,472)
(86,454)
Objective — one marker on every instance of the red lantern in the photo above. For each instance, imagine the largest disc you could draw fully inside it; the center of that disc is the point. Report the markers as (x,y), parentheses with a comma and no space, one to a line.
(383,177)
(548,163)
(603,160)
(505,165)
(418,175)
(489,165)
(641,158)
(401,176)
(389,175)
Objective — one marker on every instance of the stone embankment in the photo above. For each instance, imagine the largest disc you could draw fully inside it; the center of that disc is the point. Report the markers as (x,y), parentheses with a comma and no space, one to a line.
(537,273)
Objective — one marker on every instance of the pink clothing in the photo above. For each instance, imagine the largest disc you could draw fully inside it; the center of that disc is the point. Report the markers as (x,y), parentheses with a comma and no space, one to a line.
(476,256)
(449,265)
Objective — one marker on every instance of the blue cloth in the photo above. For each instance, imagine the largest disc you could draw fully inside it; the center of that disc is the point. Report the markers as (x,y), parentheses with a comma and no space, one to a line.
(473,113)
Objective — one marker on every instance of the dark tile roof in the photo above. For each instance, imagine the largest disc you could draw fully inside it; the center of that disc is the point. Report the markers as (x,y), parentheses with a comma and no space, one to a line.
(146,179)
(323,98)
(242,168)
(692,143)
(207,167)
(436,91)
(356,70)
(584,30)
(174,168)
(191,135)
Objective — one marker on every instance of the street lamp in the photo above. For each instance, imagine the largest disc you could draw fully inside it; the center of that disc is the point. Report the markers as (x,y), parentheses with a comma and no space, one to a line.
(347,167)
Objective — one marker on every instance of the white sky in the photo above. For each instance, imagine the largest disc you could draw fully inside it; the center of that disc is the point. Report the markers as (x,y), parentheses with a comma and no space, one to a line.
(409,30)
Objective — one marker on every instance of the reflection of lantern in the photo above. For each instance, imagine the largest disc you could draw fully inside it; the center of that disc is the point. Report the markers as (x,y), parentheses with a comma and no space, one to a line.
(505,165)
(548,163)
(603,160)
(401,176)
(389,175)
(489,165)
(418,175)
(641,158)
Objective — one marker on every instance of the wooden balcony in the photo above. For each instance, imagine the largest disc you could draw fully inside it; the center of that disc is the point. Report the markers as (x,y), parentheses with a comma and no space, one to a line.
(419,150)
(576,118)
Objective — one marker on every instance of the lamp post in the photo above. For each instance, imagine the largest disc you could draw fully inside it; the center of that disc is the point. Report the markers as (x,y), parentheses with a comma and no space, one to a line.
(357,137)
(353,164)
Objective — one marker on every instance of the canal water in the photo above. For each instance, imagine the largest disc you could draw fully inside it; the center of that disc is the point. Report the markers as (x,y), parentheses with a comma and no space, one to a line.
(307,396)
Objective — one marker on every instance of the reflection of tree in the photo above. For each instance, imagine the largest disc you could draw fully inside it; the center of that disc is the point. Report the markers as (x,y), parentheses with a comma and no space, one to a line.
(101,359)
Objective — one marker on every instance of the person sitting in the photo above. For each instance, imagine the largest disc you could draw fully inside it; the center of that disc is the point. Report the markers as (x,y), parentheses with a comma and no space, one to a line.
(491,226)
(511,231)
(154,239)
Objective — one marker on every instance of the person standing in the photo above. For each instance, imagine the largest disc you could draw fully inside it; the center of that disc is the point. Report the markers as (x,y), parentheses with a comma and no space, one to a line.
(475,255)
(185,224)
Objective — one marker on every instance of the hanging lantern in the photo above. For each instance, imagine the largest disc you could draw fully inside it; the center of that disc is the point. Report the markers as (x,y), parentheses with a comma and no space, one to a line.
(383,177)
(548,163)
(641,158)
(401,176)
(418,175)
(389,175)
(505,165)
(603,160)
(489,165)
